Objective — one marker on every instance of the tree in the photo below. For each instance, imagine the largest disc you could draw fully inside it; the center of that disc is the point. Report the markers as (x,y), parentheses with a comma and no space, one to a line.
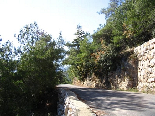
(139,24)
(110,11)
(6,59)
(129,23)
(9,92)
(40,65)
(28,36)
(77,54)
(27,82)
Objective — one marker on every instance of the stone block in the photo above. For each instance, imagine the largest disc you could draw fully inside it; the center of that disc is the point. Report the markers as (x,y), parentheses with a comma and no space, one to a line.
(153,41)
(151,80)
(152,62)
(145,48)
(153,51)
(152,46)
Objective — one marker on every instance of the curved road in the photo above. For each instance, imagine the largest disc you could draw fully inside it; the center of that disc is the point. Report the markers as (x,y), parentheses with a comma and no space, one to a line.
(115,103)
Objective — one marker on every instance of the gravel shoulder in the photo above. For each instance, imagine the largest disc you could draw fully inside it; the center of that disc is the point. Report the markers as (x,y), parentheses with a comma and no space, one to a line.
(115,103)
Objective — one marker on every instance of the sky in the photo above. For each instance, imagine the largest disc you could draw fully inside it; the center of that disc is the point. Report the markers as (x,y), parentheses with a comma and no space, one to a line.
(52,16)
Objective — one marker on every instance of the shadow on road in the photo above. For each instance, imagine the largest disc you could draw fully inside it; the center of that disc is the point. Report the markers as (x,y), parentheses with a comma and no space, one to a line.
(112,100)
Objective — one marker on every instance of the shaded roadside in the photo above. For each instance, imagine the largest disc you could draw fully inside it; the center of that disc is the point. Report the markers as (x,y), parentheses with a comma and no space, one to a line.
(116,102)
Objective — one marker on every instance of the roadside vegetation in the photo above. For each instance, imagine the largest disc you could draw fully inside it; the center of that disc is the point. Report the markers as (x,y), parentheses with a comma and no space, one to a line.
(30,72)
(129,23)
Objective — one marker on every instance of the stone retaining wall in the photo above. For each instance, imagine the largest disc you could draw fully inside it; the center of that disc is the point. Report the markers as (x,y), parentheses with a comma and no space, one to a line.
(137,71)
(125,76)
(70,105)
(146,66)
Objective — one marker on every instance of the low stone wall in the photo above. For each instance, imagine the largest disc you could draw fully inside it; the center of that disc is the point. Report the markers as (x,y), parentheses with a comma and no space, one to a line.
(146,66)
(70,105)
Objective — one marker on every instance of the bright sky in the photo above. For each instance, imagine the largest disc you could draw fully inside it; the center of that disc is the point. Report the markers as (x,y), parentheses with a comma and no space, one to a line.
(52,16)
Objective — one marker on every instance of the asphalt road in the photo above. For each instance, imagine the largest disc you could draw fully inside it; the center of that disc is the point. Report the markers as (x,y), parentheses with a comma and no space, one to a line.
(115,103)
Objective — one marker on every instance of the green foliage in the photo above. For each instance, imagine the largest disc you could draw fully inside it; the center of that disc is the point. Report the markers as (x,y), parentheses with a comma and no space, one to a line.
(129,24)
(79,53)
(103,35)
(25,81)
(140,21)
(110,11)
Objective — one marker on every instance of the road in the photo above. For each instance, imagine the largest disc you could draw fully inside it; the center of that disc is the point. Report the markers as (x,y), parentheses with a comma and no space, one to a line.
(115,103)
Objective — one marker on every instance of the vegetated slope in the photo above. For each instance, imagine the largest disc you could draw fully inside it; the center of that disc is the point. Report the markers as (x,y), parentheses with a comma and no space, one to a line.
(129,23)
